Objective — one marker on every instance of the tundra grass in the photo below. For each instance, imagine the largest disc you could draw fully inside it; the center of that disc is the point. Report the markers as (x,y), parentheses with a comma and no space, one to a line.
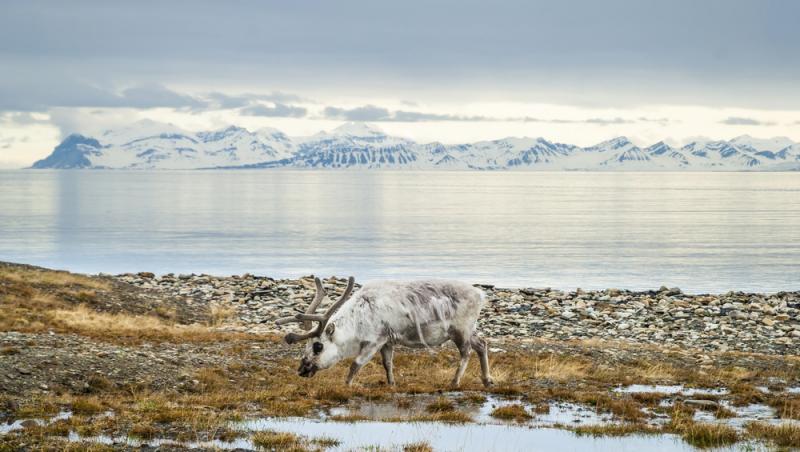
(515,412)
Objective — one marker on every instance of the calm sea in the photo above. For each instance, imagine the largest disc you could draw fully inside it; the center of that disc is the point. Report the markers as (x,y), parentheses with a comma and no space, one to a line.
(703,232)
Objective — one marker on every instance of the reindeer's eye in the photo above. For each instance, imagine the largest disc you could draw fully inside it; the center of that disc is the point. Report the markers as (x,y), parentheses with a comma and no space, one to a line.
(317,347)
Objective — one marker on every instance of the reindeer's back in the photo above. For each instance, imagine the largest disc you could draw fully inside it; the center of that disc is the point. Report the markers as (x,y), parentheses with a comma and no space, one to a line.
(423,302)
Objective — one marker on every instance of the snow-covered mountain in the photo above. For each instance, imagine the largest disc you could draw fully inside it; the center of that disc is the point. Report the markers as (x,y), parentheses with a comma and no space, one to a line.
(151,145)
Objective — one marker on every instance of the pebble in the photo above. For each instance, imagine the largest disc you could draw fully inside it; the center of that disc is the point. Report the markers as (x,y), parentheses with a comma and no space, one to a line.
(734,321)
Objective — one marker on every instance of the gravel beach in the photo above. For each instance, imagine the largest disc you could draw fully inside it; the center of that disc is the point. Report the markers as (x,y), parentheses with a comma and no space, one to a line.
(734,321)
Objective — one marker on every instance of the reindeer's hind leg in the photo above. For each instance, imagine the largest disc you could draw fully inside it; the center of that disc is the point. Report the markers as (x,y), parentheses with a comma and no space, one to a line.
(464,349)
(387,354)
(482,349)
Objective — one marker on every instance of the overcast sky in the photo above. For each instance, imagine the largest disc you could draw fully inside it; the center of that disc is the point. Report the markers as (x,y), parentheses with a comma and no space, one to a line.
(453,71)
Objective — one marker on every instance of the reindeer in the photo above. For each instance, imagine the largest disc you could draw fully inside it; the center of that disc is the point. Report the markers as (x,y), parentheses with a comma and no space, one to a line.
(384,314)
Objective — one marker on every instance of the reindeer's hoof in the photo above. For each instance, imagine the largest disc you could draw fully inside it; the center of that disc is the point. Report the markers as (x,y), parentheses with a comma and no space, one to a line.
(488,383)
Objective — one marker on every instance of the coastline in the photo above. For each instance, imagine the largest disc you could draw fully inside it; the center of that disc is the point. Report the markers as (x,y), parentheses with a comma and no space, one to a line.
(666,317)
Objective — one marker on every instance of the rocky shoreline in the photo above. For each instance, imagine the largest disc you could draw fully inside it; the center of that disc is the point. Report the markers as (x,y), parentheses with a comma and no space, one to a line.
(734,321)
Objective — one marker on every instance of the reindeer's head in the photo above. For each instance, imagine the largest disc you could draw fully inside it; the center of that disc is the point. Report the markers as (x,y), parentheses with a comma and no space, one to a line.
(322,351)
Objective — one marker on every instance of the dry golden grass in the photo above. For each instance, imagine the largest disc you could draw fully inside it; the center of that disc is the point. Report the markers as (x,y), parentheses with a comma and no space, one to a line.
(785,435)
(654,372)
(87,406)
(452,417)
(212,379)
(349,418)
(787,406)
(699,434)
(272,440)
(37,300)
(221,313)
(724,413)
(57,278)
(622,429)
(649,398)
(439,405)
(333,394)
(86,447)
(559,368)
(143,430)
(418,447)
(473,397)
(746,394)
(515,412)
(87,322)
(37,408)
(706,435)
(324,442)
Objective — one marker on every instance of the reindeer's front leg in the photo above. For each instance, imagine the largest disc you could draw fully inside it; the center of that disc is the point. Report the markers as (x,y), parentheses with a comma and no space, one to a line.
(482,349)
(368,350)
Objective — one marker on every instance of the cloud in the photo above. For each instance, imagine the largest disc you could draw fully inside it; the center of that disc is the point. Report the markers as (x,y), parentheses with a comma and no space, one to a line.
(226,101)
(381,114)
(152,95)
(5,143)
(23,118)
(490,49)
(365,113)
(606,122)
(278,96)
(374,113)
(91,122)
(278,110)
(37,94)
(740,121)
(660,121)
(415,116)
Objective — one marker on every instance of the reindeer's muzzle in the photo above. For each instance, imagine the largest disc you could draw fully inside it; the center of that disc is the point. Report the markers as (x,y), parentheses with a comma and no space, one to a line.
(307,368)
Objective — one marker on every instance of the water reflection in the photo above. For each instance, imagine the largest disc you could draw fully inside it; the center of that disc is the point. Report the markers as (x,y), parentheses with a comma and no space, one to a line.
(707,232)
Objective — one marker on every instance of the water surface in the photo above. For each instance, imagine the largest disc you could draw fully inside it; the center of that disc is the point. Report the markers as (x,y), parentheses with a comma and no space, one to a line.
(703,232)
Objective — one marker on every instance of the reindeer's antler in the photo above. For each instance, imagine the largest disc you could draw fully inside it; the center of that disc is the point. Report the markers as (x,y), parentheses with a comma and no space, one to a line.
(310,316)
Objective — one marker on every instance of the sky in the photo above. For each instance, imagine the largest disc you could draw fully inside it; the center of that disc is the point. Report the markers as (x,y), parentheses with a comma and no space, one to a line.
(572,71)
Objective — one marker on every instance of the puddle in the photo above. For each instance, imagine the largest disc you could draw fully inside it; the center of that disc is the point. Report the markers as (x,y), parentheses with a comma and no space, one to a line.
(468,437)
(18,424)
(157,442)
(560,413)
(670,390)
(487,433)
(790,390)
(412,406)
(753,412)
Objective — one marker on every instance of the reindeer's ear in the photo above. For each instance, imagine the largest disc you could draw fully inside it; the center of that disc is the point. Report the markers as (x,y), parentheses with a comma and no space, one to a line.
(330,329)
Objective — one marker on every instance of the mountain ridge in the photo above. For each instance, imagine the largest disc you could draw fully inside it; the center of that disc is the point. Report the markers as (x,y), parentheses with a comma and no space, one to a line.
(151,145)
